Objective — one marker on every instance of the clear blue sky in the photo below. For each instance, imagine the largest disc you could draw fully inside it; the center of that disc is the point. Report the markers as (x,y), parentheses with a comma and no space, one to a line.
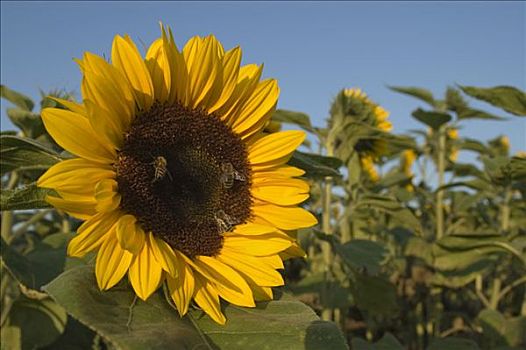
(312,48)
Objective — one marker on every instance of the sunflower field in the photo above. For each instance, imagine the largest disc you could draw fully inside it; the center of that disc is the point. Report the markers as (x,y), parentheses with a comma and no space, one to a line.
(169,207)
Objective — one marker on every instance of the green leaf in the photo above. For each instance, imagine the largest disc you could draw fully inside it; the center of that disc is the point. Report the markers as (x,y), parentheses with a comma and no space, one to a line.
(154,324)
(420,93)
(374,294)
(497,330)
(508,98)
(332,293)
(473,145)
(42,264)
(316,166)
(28,197)
(297,118)
(387,342)
(16,98)
(17,153)
(30,123)
(453,343)
(432,119)
(40,321)
(461,277)
(471,113)
(363,254)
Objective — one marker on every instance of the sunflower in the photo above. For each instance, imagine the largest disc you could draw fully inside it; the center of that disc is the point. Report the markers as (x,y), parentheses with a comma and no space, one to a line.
(369,149)
(175,179)
(407,159)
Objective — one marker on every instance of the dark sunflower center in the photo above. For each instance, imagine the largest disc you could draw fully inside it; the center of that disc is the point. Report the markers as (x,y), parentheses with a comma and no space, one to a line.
(364,145)
(185,176)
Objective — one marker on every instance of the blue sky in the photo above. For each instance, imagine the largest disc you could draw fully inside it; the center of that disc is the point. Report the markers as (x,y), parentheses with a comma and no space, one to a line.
(313,48)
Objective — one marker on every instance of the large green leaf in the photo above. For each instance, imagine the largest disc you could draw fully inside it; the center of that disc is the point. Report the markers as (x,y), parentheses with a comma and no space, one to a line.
(452,343)
(297,118)
(432,119)
(497,330)
(18,153)
(16,98)
(363,254)
(387,342)
(508,98)
(471,113)
(28,197)
(39,323)
(420,93)
(316,166)
(332,293)
(42,264)
(374,294)
(283,323)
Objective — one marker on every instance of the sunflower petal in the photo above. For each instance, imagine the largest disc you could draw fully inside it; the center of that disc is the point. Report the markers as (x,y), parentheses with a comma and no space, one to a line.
(112,263)
(251,229)
(126,57)
(282,192)
(275,146)
(130,235)
(92,233)
(164,255)
(159,68)
(230,61)
(74,133)
(230,285)
(108,199)
(207,297)
(286,218)
(71,105)
(81,209)
(182,286)
(261,245)
(260,272)
(145,273)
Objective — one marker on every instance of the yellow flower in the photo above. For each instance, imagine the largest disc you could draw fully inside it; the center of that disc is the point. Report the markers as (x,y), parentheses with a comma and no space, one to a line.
(367,163)
(452,135)
(173,176)
(505,142)
(407,159)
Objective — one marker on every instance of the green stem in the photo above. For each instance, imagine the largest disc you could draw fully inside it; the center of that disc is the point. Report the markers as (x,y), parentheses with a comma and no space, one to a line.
(495,294)
(326,227)
(7,216)
(441,165)
(505,211)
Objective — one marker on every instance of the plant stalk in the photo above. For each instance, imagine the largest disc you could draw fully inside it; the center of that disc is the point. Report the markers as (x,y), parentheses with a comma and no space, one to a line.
(327,313)
(441,165)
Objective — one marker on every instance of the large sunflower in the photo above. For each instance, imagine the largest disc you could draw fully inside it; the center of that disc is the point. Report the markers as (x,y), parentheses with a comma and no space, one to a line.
(174,176)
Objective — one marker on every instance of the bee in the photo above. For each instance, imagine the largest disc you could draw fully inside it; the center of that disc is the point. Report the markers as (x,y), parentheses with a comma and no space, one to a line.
(160,166)
(229,174)
(224,221)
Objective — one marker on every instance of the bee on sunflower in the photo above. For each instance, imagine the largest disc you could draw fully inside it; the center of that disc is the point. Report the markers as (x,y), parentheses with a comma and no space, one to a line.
(175,179)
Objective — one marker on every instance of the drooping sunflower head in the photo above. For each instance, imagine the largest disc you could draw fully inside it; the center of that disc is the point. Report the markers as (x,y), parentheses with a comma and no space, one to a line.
(367,163)
(174,176)
(407,158)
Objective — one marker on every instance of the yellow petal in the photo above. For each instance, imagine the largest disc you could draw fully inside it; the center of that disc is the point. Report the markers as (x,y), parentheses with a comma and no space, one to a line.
(164,254)
(71,105)
(252,229)
(258,108)
(178,70)
(207,297)
(105,125)
(112,263)
(248,79)
(128,60)
(108,199)
(81,209)
(230,62)
(294,251)
(129,234)
(286,218)
(145,273)
(181,286)
(159,68)
(91,234)
(230,285)
(260,272)
(73,132)
(282,192)
(261,245)
(108,88)
(278,172)
(75,176)
(202,60)
(275,146)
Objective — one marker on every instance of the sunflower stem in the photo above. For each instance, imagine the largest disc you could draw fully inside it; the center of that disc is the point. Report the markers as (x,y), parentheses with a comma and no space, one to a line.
(327,312)
(7,216)
(441,164)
